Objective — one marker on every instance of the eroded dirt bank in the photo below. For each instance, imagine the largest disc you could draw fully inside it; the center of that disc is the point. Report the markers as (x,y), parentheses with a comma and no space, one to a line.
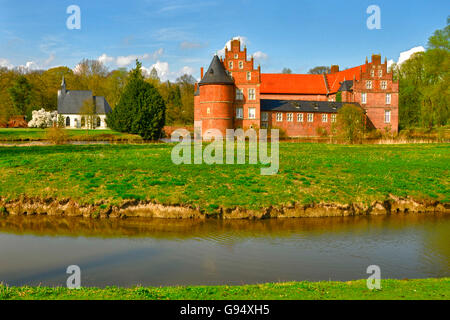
(136,208)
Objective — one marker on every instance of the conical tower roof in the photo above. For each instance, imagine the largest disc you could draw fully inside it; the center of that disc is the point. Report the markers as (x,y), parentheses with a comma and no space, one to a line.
(216,74)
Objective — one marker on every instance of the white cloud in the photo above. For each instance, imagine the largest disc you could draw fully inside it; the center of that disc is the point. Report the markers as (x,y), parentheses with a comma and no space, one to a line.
(5,63)
(105,59)
(405,55)
(259,55)
(29,65)
(124,61)
(164,72)
(244,41)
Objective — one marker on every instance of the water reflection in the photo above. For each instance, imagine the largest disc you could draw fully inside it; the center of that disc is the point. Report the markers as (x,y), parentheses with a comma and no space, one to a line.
(127,252)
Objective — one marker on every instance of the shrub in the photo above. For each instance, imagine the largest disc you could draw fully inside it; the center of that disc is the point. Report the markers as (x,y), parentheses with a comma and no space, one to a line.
(350,123)
(56,135)
(42,119)
(322,132)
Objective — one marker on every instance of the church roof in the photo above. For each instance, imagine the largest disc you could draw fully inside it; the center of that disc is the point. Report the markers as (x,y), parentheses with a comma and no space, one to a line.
(216,74)
(71,102)
(302,105)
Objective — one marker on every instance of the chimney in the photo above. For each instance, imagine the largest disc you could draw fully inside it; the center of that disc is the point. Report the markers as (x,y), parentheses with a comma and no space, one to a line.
(376,59)
(195,87)
(334,68)
(201,73)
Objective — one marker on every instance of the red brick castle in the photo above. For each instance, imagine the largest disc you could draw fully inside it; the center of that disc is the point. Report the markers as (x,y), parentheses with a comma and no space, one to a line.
(234,94)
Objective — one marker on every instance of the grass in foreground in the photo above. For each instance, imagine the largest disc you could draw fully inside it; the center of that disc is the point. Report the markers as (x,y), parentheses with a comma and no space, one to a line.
(36,134)
(308,173)
(422,289)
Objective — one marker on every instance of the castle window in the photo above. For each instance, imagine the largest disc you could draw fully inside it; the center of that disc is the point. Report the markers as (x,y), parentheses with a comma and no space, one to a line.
(324,117)
(230,64)
(239,113)
(249,76)
(67,121)
(251,94)
(251,113)
(279,116)
(364,97)
(239,94)
(369,84)
(387,116)
(310,117)
(264,116)
(290,117)
(383,85)
(380,73)
(333,117)
(241,65)
(388,98)
(299,117)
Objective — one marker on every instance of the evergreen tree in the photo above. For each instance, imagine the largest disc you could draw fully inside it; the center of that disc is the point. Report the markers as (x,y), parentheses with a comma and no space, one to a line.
(20,94)
(141,109)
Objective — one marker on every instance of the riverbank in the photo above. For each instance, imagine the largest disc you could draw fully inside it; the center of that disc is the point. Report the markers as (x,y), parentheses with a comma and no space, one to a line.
(141,180)
(420,289)
(145,209)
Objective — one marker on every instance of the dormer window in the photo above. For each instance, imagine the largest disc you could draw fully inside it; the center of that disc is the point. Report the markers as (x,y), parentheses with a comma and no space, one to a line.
(380,73)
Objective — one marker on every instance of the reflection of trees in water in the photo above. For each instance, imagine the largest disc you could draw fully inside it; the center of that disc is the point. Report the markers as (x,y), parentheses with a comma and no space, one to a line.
(436,246)
(226,231)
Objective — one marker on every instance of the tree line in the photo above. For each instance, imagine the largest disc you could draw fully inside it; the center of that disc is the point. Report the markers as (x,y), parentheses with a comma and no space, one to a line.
(424,93)
(22,91)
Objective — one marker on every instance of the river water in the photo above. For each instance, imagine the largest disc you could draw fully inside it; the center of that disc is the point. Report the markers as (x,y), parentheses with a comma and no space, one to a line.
(159,252)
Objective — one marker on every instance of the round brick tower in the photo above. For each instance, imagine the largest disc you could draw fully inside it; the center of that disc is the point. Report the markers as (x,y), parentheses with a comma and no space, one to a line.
(216,98)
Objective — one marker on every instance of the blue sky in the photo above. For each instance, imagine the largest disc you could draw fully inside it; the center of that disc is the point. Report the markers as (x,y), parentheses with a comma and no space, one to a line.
(179,36)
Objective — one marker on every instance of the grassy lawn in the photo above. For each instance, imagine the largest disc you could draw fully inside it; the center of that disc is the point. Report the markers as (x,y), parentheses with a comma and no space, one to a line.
(436,289)
(308,173)
(35,134)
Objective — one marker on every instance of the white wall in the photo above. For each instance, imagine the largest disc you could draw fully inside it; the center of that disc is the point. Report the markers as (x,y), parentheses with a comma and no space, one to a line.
(75,121)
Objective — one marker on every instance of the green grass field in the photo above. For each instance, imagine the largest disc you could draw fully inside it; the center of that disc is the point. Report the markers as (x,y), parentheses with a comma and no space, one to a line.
(36,134)
(308,173)
(426,289)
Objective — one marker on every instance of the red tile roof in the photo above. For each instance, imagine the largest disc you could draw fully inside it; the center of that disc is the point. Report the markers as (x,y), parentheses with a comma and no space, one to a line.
(293,83)
(334,80)
(277,83)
